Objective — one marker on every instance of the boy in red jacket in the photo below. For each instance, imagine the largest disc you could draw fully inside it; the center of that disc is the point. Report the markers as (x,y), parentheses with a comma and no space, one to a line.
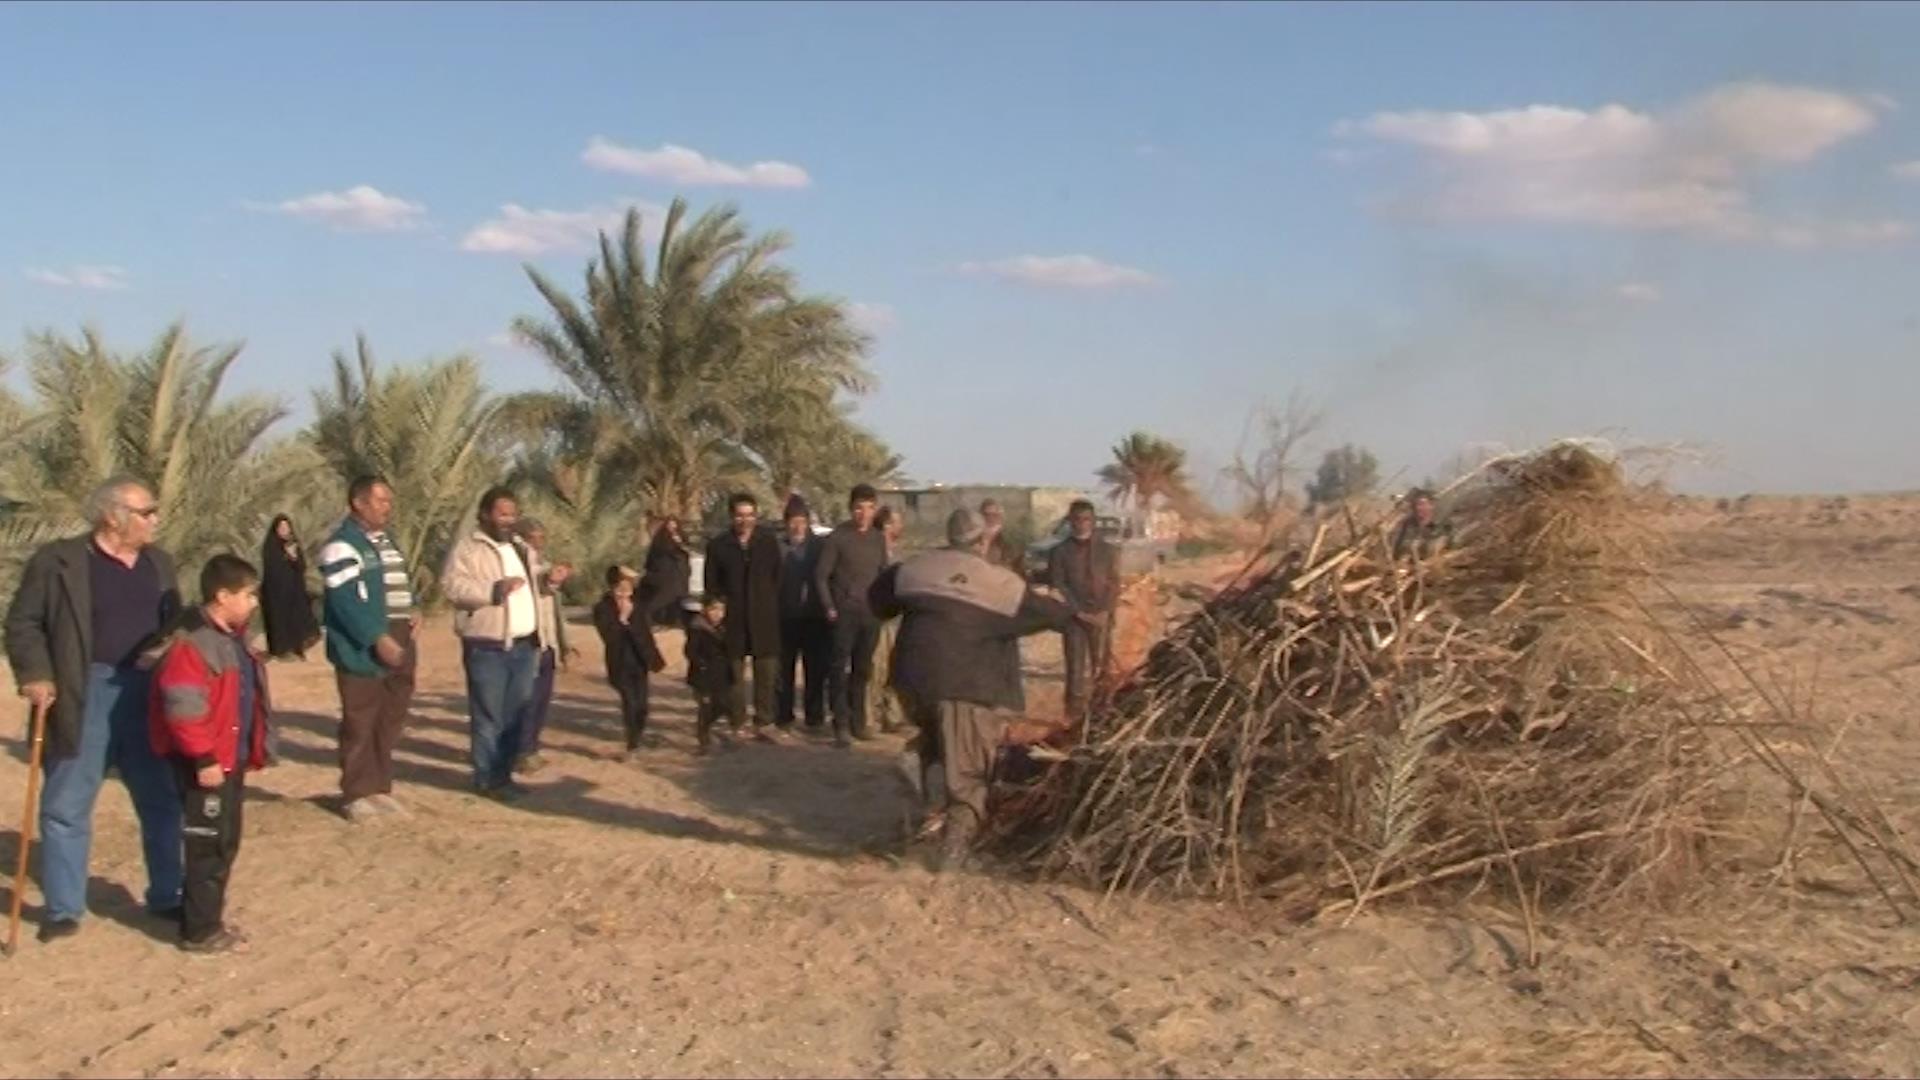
(209,717)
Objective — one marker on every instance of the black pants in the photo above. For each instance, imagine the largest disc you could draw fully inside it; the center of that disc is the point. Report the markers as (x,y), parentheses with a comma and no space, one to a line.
(708,711)
(212,817)
(808,645)
(632,688)
(854,637)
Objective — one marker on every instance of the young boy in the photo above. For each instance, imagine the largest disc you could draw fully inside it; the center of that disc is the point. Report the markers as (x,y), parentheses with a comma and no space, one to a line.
(709,671)
(631,652)
(209,717)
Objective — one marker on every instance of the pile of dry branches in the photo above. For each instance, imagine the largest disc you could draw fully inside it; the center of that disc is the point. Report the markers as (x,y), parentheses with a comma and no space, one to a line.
(1342,726)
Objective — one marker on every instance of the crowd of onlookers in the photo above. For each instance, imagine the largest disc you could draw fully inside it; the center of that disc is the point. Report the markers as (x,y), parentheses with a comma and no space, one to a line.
(790,633)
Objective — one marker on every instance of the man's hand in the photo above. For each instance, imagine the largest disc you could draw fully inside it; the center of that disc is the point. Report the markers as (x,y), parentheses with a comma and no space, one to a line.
(39,694)
(509,586)
(832,615)
(389,652)
(623,610)
(210,776)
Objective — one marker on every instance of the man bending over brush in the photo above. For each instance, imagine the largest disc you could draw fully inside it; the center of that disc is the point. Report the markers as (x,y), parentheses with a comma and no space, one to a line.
(209,718)
(961,615)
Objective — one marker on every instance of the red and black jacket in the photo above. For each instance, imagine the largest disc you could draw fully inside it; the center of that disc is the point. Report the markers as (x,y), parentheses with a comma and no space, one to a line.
(195,712)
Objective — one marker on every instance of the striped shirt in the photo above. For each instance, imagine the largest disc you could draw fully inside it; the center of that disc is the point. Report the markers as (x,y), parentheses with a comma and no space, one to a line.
(394,575)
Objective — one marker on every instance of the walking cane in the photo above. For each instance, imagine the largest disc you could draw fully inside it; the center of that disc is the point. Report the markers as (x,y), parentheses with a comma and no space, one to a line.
(39,737)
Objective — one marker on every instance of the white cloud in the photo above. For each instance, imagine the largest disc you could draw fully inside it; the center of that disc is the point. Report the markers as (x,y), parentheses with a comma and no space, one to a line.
(679,165)
(96,278)
(1906,170)
(1640,292)
(875,319)
(357,209)
(1684,169)
(1062,271)
(520,231)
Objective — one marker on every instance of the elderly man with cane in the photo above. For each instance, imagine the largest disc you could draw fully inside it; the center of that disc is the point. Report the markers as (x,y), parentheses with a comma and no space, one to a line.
(84,610)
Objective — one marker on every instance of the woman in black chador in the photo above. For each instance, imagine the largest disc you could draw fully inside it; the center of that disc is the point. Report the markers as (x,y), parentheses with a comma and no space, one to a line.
(285,604)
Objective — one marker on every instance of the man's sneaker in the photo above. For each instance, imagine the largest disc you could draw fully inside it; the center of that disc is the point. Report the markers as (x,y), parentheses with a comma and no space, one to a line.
(530,764)
(55,929)
(364,811)
(389,804)
(222,941)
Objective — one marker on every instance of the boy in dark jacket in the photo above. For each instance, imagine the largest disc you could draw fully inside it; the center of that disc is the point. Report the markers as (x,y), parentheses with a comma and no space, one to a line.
(209,717)
(710,671)
(632,655)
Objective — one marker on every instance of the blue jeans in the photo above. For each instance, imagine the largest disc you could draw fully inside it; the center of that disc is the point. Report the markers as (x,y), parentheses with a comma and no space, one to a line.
(499,685)
(113,732)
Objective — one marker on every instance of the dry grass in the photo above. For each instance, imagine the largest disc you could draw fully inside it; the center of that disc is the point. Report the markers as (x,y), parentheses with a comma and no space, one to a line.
(1339,727)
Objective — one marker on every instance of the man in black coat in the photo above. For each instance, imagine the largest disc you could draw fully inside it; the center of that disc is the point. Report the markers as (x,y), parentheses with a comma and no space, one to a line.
(85,609)
(743,567)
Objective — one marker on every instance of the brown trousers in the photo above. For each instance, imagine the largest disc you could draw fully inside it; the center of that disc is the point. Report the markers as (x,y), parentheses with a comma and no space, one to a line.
(1086,654)
(970,737)
(373,709)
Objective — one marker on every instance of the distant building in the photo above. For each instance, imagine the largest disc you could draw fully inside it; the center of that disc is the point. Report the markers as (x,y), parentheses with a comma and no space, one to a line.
(1030,511)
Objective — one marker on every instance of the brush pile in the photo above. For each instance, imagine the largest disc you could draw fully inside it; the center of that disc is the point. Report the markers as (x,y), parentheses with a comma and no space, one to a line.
(1343,725)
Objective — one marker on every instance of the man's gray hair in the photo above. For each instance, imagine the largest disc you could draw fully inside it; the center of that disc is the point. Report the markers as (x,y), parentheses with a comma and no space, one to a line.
(528,526)
(107,505)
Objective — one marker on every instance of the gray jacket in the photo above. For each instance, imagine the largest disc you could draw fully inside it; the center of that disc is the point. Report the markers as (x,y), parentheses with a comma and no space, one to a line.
(50,630)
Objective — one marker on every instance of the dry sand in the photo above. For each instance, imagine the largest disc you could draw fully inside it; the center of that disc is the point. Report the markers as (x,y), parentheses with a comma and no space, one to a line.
(750,914)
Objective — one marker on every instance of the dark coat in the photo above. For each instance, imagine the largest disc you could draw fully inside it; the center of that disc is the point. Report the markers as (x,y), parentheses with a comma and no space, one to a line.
(748,578)
(666,579)
(962,621)
(285,605)
(1087,574)
(50,630)
(631,652)
(709,669)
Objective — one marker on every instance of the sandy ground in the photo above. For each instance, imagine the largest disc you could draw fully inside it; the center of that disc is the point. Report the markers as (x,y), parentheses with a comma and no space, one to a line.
(753,913)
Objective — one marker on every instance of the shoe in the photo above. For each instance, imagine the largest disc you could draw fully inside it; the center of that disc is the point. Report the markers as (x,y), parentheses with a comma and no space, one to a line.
(222,941)
(364,811)
(390,805)
(503,794)
(531,764)
(55,929)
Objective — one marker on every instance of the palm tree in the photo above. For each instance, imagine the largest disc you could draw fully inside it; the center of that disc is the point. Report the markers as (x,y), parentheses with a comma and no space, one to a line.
(156,416)
(576,473)
(699,356)
(431,430)
(1145,468)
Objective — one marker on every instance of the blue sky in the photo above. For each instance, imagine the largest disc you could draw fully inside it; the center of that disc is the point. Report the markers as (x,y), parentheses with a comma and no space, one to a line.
(1492,224)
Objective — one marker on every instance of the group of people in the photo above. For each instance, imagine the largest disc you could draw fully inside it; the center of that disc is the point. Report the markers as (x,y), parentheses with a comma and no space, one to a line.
(175,696)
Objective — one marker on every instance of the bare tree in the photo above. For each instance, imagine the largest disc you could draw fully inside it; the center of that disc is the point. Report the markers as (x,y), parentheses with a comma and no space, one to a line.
(1264,465)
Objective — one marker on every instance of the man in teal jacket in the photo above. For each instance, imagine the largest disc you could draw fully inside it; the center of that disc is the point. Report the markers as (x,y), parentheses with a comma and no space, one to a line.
(370,620)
